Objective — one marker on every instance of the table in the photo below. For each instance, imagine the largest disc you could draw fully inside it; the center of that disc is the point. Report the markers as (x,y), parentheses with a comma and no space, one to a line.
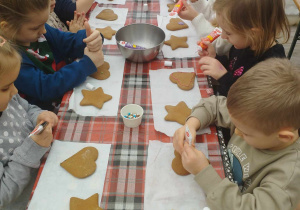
(125,178)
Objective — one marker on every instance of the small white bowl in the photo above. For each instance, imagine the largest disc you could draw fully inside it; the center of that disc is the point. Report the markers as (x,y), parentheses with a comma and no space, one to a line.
(132,108)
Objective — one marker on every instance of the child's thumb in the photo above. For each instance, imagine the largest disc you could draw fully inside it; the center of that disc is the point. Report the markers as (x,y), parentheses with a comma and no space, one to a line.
(87,29)
(185,4)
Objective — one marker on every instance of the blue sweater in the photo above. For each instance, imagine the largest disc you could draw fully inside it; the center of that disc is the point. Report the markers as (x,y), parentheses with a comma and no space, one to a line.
(40,88)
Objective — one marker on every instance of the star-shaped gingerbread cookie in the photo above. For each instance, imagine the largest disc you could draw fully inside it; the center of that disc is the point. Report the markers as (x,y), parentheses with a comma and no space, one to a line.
(90,203)
(177,42)
(107,14)
(176,24)
(178,113)
(102,72)
(94,98)
(107,32)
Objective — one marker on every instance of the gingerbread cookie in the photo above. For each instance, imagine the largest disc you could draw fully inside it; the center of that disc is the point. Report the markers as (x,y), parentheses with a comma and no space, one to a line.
(170,6)
(94,98)
(176,24)
(177,42)
(177,165)
(90,203)
(178,113)
(107,14)
(107,32)
(184,80)
(102,72)
(82,164)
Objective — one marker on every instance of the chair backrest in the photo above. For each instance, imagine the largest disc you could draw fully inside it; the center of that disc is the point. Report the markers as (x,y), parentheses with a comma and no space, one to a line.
(297,2)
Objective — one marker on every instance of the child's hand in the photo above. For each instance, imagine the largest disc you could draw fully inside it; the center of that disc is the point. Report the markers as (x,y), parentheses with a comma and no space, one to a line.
(45,138)
(210,51)
(193,160)
(187,12)
(77,23)
(48,116)
(97,57)
(179,137)
(212,67)
(93,39)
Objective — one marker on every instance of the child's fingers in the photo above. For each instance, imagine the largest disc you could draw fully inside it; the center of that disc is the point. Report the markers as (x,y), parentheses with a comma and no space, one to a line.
(185,4)
(75,16)
(68,23)
(88,29)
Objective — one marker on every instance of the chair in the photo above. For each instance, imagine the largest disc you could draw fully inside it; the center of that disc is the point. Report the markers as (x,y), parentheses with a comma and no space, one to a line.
(297,33)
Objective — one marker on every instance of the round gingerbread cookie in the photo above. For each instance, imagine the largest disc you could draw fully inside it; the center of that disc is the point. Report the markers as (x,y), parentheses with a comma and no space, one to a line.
(177,165)
(102,72)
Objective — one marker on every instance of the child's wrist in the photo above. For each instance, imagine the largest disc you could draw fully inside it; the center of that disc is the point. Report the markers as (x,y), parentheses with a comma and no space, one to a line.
(193,123)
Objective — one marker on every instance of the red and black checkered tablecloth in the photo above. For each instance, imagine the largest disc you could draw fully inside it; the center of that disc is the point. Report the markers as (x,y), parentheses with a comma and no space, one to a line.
(125,177)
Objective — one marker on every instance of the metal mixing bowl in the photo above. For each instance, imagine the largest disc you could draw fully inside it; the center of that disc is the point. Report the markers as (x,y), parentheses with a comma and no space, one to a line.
(146,35)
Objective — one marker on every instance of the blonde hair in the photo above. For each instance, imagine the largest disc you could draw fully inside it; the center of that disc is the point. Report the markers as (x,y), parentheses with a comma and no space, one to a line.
(267,97)
(9,57)
(261,22)
(16,12)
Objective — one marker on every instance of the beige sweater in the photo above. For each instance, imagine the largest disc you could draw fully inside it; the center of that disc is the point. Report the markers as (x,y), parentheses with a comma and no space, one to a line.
(265,179)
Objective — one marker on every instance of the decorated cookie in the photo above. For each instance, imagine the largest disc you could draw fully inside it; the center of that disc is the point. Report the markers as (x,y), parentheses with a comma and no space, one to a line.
(170,6)
(107,32)
(184,80)
(102,72)
(90,203)
(176,24)
(177,165)
(177,42)
(82,164)
(178,113)
(107,14)
(94,98)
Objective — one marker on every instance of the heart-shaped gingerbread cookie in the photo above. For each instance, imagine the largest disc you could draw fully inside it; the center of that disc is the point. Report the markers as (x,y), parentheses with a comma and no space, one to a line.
(82,164)
(176,24)
(107,14)
(177,165)
(184,80)
(102,72)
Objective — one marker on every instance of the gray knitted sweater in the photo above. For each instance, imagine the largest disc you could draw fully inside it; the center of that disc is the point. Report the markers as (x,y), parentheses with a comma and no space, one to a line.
(19,154)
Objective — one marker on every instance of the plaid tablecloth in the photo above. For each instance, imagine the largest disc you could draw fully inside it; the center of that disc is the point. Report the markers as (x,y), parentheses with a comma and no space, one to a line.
(125,178)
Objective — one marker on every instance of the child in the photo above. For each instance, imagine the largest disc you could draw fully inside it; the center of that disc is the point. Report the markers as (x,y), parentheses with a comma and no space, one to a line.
(264,117)
(202,16)
(65,8)
(44,49)
(252,27)
(19,154)
(76,23)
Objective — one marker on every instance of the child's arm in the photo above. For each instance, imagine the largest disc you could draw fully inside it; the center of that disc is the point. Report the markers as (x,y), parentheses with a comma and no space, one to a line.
(33,82)
(208,111)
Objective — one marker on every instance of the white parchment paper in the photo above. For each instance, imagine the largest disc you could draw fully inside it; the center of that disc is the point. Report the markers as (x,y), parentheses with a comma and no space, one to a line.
(56,186)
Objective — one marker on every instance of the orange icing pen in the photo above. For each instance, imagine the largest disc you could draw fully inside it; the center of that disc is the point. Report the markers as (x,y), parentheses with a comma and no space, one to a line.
(176,9)
(211,37)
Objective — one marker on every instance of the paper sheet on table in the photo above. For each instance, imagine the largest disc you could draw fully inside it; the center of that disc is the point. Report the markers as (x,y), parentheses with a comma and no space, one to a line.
(190,31)
(114,27)
(166,190)
(111,1)
(56,186)
(164,92)
(121,12)
(190,52)
(110,86)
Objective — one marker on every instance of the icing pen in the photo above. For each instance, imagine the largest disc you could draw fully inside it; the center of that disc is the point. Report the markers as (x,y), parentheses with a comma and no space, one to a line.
(210,37)
(176,9)
(39,129)
(132,46)
(188,135)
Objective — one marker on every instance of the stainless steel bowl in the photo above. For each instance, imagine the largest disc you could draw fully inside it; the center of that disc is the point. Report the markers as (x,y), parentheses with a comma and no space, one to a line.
(146,35)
